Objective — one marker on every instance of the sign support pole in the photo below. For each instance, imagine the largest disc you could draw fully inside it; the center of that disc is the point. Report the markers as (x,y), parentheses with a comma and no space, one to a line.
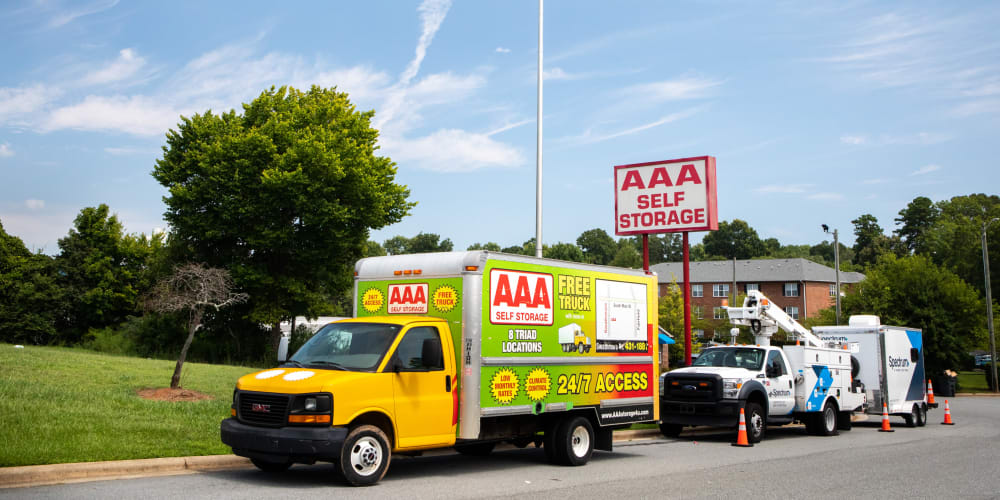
(687,302)
(645,252)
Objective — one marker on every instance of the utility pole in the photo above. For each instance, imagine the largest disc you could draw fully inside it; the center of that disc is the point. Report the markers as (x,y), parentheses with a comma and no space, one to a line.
(989,307)
(538,146)
(836,267)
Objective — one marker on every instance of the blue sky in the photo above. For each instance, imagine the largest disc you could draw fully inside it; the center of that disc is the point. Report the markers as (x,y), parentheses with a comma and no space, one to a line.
(817,112)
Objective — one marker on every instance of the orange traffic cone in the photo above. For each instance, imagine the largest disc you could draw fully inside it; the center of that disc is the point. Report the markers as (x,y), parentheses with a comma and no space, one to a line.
(741,436)
(885,420)
(930,395)
(947,414)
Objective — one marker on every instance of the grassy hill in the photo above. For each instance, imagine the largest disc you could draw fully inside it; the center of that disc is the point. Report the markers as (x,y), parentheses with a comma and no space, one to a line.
(60,405)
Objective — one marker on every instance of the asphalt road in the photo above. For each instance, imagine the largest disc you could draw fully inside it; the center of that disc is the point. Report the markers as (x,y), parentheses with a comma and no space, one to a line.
(936,461)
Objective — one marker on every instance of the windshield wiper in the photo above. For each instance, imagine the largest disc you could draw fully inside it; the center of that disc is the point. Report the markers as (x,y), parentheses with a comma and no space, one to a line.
(327,364)
(293,363)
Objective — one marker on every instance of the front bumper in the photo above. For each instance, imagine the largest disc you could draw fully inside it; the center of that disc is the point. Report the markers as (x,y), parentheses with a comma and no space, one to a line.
(283,444)
(721,413)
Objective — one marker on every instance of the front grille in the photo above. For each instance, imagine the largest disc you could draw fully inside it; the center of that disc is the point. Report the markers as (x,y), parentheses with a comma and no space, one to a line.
(693,387)
(258,408)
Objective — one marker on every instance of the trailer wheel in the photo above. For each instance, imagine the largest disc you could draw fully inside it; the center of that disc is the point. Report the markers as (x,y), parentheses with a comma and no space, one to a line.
(913,419)
(756,422)
(270,467)
(671,430)
(574,441)
(922,416)
(826,421)
(364,459)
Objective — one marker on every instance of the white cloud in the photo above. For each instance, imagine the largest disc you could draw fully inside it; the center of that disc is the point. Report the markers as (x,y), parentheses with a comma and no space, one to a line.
(589,137)
(127,151)
(920,138)
(826,196)
(5,151)
(67,16)
(783,188)
(138,115)
(451,150)
(509,126)
(32,204)
(127,65)
(977,107)
(683,88)
(24,100)
(925,170)
(503,50)
(855,140)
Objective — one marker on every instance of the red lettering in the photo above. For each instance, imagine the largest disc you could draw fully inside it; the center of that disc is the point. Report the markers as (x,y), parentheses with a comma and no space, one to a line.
(660,177)
(699,215)
(503,295)
(541,295)
(407,295)
(394,298)
(642,201)
(661,218)
(686,216)
(522,297)
(419,297)
(672,218)
(688,174)
(632,179)
(623,221)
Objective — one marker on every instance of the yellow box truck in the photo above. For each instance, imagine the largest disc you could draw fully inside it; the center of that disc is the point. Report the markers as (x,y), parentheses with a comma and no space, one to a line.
(459,349)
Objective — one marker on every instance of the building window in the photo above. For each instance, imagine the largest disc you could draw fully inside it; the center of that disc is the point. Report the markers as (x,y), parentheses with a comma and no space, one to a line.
(698,332)
(792,311)
(791,289)
(753,286)
(719,313)
(699,313)
(697,291)
(833,290)
(720,290)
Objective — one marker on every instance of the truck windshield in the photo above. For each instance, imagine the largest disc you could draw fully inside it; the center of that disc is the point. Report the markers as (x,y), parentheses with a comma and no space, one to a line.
(732,357)
(346,346)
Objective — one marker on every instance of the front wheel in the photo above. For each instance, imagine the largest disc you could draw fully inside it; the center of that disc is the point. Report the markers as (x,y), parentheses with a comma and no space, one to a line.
(364,459)
(826,421)
(922,416)
(756,422)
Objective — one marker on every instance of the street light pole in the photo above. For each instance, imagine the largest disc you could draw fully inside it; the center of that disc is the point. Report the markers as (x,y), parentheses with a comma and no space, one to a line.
(836,267)
(989,307)
(538,142)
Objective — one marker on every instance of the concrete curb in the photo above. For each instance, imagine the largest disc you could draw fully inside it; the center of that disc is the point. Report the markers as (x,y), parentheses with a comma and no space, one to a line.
(43,475)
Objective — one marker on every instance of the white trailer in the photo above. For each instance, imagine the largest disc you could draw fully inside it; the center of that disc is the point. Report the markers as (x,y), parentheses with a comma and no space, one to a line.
(888,363)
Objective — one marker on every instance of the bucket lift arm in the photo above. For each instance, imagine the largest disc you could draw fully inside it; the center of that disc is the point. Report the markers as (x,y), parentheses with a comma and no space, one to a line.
(765,318)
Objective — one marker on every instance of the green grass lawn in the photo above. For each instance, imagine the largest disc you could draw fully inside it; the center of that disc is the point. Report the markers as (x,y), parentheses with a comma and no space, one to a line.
(61,405)
(973,381)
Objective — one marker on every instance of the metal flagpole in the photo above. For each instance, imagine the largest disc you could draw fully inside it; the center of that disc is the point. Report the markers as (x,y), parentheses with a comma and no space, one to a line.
(538,150)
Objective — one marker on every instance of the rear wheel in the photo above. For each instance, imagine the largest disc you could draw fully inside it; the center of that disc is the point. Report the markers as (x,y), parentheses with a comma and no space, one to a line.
(913,419)
(826,424)
(671,430)
(574,441)
(270,467)
(756,422)
(922,416)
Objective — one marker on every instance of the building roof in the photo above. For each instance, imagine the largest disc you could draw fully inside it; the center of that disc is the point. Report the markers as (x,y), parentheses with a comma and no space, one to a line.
(753,271)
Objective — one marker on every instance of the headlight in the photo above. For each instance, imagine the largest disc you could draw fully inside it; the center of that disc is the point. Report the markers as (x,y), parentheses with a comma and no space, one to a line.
(310,404)
(311,409)
(731,388)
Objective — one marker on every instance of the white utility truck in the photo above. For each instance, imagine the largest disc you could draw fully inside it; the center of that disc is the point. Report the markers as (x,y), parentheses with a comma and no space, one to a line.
(887,360)
(809,383)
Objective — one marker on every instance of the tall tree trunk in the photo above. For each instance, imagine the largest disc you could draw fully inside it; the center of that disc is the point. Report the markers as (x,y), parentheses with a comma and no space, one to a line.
(275,337)
(194,320)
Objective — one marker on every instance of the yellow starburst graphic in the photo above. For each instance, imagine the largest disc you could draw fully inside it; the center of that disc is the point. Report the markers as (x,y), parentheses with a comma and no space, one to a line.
(537,384)
(503,386)
(372,300)
(445,298)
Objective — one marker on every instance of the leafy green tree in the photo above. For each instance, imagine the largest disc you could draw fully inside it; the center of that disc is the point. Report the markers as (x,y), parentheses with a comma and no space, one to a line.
(373,249)
(102,271)
(915,220)
(870,242)
(627,255)
(421,243)
(823,252)
(282,196)
(491,246)
(913,291)
(30,298)
(563,251)
(771,246)
(955,239)
(667,247)
(598,246)
(734,239)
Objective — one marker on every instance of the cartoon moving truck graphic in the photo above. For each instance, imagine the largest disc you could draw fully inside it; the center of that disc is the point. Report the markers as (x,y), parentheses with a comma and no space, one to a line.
(460,349)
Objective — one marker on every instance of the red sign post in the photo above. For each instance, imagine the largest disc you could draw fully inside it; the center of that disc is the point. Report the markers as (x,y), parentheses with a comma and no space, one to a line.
(672,196)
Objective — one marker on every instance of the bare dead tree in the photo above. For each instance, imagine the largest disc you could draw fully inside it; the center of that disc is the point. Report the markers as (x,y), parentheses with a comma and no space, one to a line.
(192,288)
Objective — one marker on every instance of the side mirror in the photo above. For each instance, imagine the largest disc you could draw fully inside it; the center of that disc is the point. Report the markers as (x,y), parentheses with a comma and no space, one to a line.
(395,365)
(283,349)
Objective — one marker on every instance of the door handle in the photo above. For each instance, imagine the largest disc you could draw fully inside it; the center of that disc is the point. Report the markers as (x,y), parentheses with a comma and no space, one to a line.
(447,383)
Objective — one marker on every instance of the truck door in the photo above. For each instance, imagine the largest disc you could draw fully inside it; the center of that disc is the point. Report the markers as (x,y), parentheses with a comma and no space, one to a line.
(780,393)
(423,389)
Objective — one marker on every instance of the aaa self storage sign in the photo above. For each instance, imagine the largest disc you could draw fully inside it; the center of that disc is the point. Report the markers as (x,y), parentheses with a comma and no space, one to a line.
(665,197)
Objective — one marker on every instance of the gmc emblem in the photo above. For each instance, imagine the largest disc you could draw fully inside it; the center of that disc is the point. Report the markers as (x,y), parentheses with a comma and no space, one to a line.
(257,407)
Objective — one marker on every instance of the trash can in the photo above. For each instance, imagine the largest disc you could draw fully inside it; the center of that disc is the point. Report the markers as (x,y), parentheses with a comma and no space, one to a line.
(944,385)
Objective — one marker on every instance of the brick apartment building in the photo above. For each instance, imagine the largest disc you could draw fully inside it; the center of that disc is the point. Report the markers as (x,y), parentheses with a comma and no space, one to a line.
(800,287)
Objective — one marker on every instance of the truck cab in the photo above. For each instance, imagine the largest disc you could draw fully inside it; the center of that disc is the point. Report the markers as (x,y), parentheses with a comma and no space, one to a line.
(721,381)
(357,391)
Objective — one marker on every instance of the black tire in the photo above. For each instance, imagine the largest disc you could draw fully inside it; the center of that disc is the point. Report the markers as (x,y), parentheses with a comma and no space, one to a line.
(844,421)
(922,416)
(579,349)
(914,417)
(270,467)
(826,421)
(365,457)
(671,430)
(549,444)
(478,449)
(756,422)
(574,441)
